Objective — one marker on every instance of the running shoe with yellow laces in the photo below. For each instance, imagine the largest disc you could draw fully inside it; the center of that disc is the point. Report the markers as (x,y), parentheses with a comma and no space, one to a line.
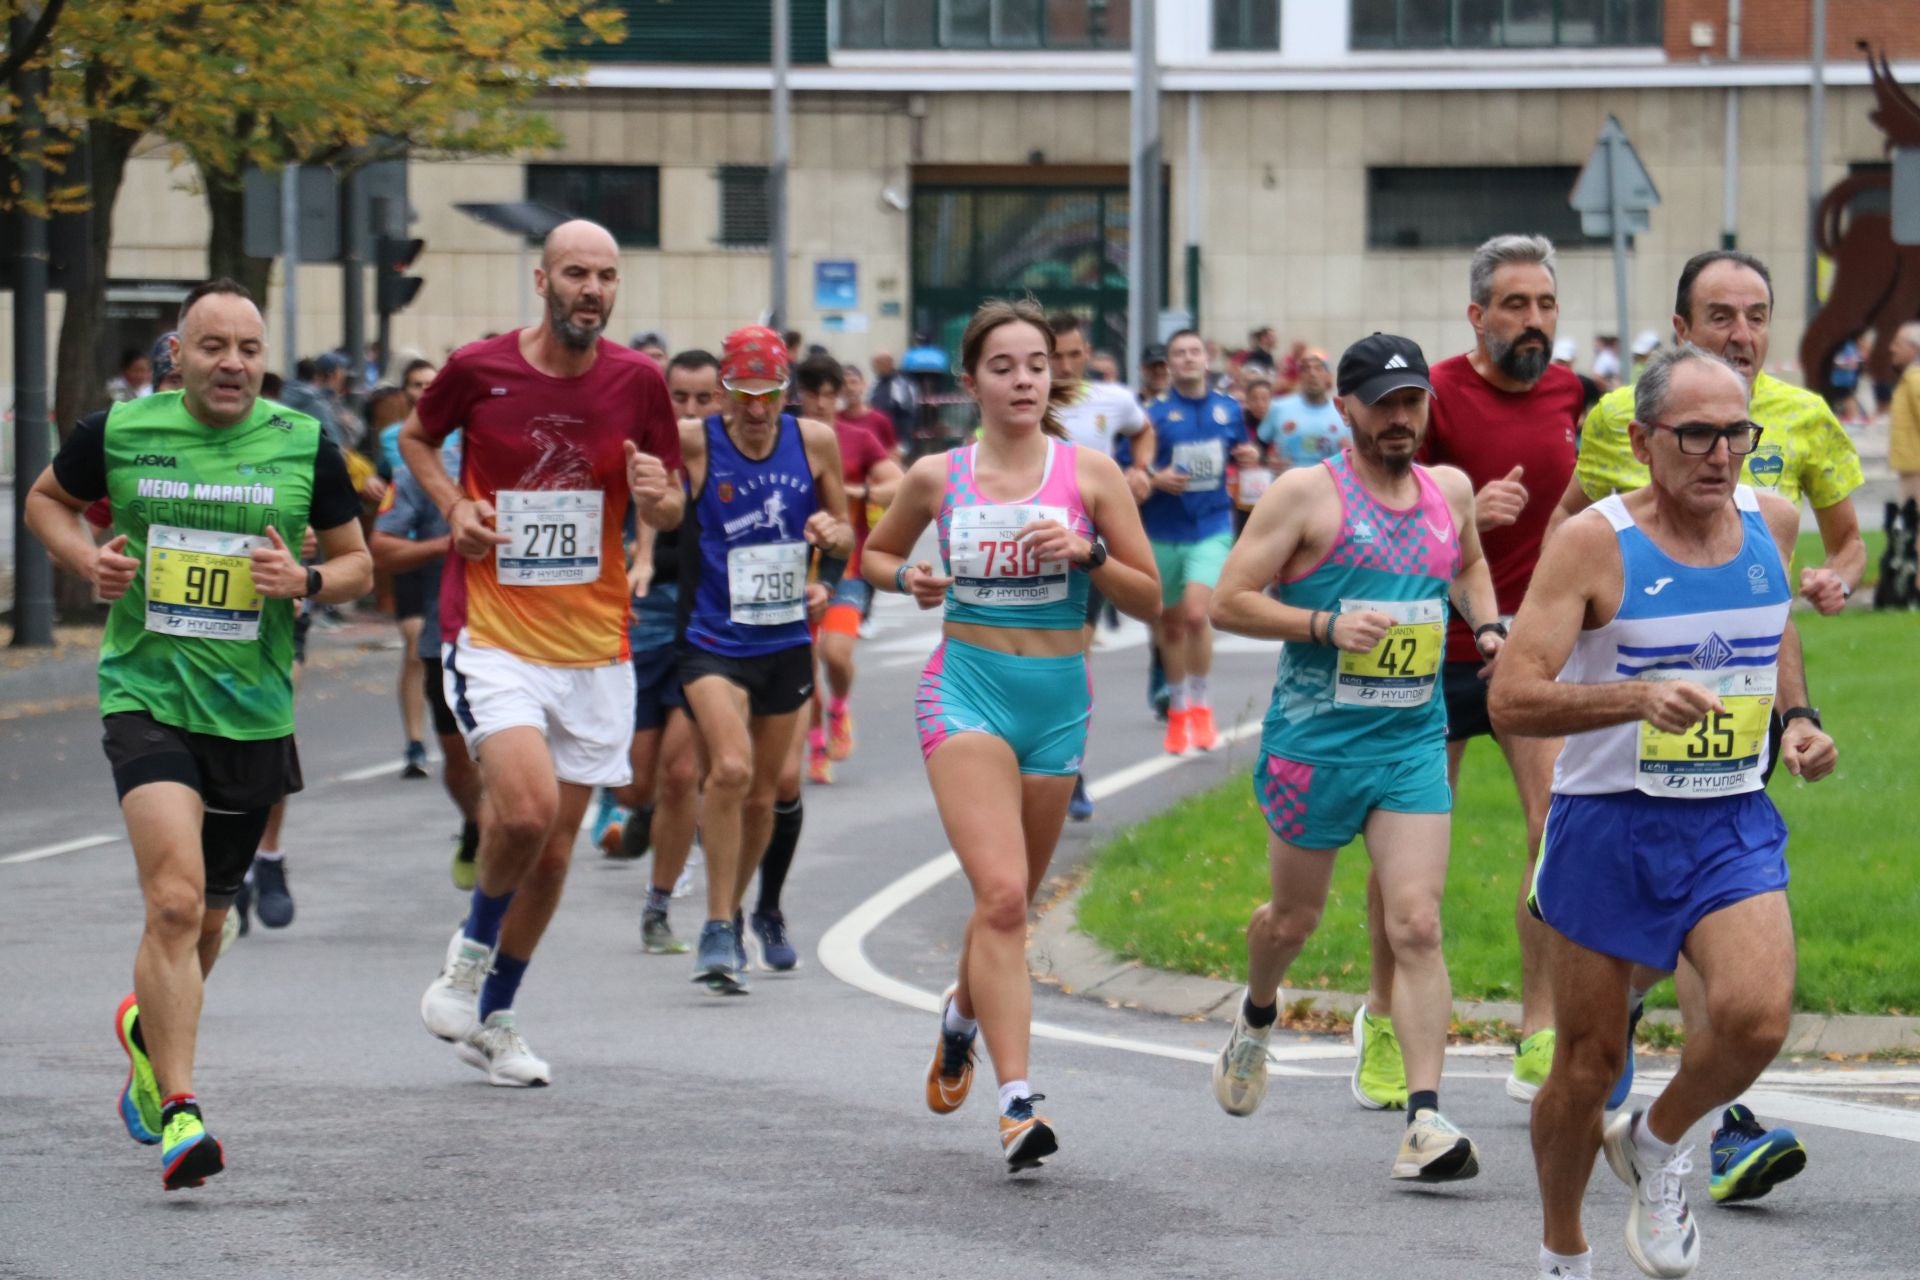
(1379,1072)
(1026,1138)
(1749,1159)
(140,1097)
(189,1155)
(950,1074)
(1531,1065)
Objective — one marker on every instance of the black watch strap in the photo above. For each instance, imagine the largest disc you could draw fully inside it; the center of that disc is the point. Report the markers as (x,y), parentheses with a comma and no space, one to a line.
(1791,714)
(1097,556)
(314,582)
(1498,628)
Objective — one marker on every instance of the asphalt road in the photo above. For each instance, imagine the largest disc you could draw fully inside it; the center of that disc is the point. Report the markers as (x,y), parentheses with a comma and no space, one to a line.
(779,1135)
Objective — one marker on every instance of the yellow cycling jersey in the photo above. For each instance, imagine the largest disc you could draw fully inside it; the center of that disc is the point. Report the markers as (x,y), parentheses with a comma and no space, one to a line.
(1803,450)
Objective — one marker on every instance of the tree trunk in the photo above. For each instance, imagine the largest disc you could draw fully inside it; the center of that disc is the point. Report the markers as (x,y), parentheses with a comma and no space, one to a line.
(80,376)
(226,254)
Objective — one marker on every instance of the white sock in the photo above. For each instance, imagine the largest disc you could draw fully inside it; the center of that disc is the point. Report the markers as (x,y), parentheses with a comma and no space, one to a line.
(1177,696)
(955,1023)
(270,855)
(1197,691)
(1636,996)
(1653,1151)
(1576,1266)
(1013,1089)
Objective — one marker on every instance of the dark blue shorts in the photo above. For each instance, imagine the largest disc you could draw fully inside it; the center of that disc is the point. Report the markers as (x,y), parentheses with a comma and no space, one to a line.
(1629,875)
(656,686)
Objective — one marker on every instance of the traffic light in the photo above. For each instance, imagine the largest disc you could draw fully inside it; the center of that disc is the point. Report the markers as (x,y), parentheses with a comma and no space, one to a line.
(394,288)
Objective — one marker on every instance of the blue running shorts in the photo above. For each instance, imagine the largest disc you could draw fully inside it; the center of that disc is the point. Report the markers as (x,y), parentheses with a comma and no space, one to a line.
(1038,706)
(1324,806)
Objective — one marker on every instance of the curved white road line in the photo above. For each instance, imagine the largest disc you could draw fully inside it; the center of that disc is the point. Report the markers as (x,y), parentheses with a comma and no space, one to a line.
(842,951)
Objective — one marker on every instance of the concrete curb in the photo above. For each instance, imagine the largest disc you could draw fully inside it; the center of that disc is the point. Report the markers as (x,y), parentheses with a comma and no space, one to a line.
(1080,966)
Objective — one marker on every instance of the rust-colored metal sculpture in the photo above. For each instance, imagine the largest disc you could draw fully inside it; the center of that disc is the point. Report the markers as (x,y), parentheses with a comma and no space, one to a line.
(1876,283)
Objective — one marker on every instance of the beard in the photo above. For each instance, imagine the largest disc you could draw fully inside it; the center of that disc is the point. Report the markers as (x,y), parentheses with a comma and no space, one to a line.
(1395,464)
(576,336)
(1527,365)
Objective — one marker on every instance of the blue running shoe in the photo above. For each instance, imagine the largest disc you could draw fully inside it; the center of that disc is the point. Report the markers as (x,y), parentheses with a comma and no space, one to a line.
(776,950)
(272,900)
(716,962)
(1624,1085)
(740,958)
(1748,1160)
(609,825)
(1080,808)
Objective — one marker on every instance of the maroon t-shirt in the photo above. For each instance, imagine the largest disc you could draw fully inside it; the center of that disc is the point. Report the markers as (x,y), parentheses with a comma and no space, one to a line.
(524,430)
(1487,432)
(880,424)
(860,452)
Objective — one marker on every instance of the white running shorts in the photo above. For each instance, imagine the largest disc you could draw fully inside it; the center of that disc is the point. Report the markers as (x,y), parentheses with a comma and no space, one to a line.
(586,713)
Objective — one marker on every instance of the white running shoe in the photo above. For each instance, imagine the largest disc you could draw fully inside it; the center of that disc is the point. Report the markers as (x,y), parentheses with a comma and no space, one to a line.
(683,887)
(451,1006)
(497,1048)
(1240,1072)
(1432,1150)
(1662,1237)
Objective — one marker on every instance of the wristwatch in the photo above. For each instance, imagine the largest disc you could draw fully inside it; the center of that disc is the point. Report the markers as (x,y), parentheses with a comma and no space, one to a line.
(1791,714)
(314,583)
(1096,557)
(1498,628)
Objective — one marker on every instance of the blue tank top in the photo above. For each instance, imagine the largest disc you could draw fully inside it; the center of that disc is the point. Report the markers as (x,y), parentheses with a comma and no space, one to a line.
(1343,708)
(744,593)
(996,583)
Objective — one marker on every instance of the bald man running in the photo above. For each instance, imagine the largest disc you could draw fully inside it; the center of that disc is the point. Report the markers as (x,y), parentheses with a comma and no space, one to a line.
(562,429)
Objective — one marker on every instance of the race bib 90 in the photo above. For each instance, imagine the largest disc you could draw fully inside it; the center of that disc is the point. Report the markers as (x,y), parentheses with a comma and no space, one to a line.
(767,584)
(1723,754)
(200,583)
(556,537)
(1401,670)
(991,566)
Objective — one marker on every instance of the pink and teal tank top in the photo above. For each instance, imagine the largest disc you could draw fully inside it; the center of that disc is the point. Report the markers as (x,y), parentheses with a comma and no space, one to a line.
(997,582)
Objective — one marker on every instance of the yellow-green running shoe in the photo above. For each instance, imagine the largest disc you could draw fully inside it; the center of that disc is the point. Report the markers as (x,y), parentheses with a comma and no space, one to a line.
(1530,1066)
(1379,1074)
(190,1154)
(465,871)
(140,1097)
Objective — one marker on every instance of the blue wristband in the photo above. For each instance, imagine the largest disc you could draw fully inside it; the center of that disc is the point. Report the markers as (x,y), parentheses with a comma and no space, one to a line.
(900,579)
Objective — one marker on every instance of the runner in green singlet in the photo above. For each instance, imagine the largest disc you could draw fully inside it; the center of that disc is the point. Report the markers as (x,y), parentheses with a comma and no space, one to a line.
(208,487)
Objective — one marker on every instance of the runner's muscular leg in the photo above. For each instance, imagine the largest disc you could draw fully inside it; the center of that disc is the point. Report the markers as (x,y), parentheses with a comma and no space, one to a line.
(1298,880)
(1194,603)
(1379,950)
(1589,1049)
(516,771)
(163,824)
(542,884)
(980,794)
(777,741)
(1745,955)
(720,709)
(677,810)
(413,680)
(1410,852)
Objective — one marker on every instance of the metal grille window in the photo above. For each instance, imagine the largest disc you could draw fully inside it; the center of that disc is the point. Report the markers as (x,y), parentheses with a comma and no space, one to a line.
(745,214)
(623,198)
(1505,24)
(986,24)
(1459,208)
(1246,24)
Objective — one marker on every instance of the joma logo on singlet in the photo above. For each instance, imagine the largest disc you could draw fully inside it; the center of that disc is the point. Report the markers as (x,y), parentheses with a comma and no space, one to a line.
(156,460)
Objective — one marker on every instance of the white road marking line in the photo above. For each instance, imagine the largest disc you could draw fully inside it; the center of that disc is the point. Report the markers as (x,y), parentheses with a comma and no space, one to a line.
(842,951)
(379,770)
(55,850)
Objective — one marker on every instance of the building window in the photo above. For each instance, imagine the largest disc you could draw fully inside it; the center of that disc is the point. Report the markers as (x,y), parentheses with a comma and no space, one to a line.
(746,215)
(1505,24)
(1459,208)
(1246,25)
(623,198)
(986,24)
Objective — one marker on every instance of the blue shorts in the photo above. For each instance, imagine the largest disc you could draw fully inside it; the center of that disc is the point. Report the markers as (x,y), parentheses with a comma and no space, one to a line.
(1324,806)
(1038,706)
(1629,875)
(656,686)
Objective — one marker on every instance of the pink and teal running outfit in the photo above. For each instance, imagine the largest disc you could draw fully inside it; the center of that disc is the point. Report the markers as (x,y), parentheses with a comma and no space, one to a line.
(1347,734)
(1038,706)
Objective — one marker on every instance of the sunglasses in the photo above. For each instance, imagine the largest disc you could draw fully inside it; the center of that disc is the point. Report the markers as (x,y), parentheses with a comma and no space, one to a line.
(1699,438)
(772,395)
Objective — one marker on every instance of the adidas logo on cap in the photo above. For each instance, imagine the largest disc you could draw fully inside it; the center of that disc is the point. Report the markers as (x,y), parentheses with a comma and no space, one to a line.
(1398,362)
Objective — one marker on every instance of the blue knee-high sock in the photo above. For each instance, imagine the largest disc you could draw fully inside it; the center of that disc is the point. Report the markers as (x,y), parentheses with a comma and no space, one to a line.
(484,916)
(502,984)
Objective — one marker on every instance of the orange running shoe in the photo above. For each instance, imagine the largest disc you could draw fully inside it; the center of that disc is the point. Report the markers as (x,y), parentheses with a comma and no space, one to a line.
(839,733)
(1200,728)
(819,766)
(1176,741)
(950,1075)
(1026,1138)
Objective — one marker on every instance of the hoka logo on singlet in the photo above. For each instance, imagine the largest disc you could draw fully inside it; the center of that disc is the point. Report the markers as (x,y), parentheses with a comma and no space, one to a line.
(1712,654)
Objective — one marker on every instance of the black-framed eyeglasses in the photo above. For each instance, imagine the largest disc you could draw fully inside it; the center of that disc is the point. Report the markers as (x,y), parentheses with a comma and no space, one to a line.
(1698,438)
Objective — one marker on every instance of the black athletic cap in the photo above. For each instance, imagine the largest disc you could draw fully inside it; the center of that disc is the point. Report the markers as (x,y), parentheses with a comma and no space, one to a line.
(1380,363)
(1153,353)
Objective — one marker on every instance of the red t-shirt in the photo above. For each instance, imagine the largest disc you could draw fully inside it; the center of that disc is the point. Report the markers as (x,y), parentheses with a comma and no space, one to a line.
(880,424)
(860,452)
(1487,432)
(526,431)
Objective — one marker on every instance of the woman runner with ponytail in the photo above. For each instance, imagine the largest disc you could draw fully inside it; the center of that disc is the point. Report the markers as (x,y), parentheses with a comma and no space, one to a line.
(1026,521)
